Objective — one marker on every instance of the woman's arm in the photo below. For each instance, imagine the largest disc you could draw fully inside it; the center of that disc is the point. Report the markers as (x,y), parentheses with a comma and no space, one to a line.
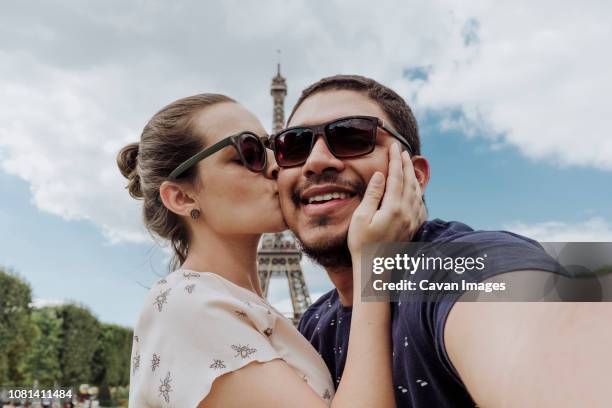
(366,379)
(399,216)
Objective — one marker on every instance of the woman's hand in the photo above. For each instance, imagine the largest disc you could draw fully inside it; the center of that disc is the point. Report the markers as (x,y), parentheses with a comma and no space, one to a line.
(401,212)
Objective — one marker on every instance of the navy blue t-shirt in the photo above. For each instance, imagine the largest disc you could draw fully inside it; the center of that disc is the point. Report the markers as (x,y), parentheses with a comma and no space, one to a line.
(423,375)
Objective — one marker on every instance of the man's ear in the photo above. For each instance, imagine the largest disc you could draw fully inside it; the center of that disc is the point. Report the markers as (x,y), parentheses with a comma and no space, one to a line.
(421,170)
(177,198)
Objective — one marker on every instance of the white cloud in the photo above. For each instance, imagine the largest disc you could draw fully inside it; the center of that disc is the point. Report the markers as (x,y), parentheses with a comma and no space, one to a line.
(40,303)
(592,230)
(537,79)
(79,80)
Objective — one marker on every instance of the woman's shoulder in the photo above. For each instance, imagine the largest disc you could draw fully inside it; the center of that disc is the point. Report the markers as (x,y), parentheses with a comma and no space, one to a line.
(187,281)
(185,277)
(196,325)
(188,289)
(184,295)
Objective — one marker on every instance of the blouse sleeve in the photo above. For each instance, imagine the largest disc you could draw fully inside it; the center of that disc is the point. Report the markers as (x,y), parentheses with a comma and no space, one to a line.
(190,333)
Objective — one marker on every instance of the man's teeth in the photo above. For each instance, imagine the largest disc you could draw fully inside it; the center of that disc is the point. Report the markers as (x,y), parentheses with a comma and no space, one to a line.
(327,197)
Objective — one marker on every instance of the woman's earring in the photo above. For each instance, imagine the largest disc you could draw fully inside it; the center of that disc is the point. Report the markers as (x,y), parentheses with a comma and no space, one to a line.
(195,213)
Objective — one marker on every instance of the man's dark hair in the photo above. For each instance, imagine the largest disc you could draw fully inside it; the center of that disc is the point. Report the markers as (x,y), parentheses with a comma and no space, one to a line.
(400,114)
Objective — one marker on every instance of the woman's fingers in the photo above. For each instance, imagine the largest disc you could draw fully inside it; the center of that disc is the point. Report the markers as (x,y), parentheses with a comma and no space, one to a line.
(412,198)
(412,187)
(395,181)
(391,210)
(403,211)
(388,218)
(371,199)
(360,231)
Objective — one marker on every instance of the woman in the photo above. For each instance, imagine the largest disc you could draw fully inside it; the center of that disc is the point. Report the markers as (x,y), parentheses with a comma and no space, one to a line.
(206,336)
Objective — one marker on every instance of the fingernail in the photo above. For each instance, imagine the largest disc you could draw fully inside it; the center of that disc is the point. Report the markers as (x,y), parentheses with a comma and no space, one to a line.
(377,178)
(396,147)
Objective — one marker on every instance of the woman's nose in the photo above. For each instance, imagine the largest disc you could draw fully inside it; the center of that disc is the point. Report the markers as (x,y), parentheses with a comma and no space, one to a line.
(271,171)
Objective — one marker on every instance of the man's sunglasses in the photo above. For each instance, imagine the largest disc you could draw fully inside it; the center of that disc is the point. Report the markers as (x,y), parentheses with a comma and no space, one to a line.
(251,149)
(347,137)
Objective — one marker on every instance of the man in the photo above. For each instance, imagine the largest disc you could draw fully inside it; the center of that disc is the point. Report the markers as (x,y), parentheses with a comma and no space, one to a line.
(445,353)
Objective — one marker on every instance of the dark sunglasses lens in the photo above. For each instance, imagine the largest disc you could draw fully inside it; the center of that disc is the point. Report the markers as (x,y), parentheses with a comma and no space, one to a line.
(253,151)
(351,137)
(292,147)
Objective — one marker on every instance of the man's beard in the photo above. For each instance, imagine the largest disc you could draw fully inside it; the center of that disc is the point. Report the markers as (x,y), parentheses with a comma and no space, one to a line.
(332,253)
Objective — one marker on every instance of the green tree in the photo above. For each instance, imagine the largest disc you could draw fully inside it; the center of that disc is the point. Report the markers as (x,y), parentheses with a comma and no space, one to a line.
(43,361)
(17,331)
(112,356)
(79,339)
(111,361)
(126,351)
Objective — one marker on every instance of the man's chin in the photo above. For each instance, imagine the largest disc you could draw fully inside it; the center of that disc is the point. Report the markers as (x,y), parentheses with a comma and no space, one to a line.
(329,252)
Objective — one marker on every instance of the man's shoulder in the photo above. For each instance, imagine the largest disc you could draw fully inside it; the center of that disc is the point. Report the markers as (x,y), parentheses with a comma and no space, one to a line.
(440,231)
(505,251)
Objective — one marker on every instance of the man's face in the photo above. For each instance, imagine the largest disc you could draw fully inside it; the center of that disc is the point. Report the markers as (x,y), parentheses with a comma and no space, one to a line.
(322,226)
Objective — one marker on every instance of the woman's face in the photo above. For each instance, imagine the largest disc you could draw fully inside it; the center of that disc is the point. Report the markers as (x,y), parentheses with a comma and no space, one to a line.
(232,198)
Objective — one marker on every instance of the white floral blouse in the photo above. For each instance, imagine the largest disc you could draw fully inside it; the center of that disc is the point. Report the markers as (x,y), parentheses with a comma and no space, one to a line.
(197,326)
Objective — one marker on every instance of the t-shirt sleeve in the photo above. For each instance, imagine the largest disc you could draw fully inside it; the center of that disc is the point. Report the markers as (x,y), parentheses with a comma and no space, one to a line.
(188,335)
(507,252)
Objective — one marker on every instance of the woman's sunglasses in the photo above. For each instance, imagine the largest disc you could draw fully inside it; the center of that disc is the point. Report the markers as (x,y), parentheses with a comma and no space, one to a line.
(251,149)
(347,137)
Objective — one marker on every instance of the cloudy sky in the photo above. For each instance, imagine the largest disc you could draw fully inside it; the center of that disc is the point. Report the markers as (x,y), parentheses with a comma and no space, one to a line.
(512,100)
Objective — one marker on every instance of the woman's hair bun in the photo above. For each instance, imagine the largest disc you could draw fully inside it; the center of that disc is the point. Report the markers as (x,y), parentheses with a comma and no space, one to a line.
(127,161)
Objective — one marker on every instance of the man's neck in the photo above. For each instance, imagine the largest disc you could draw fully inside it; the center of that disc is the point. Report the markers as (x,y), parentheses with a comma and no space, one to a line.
(342,278)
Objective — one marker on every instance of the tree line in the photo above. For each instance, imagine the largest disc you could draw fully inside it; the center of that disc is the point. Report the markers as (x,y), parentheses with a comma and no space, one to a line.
(61,346)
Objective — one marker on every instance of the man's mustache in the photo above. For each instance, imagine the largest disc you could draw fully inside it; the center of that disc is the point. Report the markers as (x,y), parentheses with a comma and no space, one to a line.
(327,178)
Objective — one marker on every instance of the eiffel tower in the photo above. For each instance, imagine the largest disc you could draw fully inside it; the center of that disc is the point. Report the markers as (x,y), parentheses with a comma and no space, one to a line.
(278,254)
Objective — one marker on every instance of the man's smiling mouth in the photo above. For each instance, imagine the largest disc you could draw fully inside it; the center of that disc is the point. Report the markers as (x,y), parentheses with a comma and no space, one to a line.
(318,195)
(326,200)
(325,189)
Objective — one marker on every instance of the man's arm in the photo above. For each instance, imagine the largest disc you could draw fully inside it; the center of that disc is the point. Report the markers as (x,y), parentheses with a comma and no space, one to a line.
(521,354)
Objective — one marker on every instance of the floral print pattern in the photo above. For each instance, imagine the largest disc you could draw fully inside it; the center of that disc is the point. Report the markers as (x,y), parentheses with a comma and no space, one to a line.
(217,364)
(243,351)
(155,361)
(161,299)
(190,275)
(165,388)
(135,362)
